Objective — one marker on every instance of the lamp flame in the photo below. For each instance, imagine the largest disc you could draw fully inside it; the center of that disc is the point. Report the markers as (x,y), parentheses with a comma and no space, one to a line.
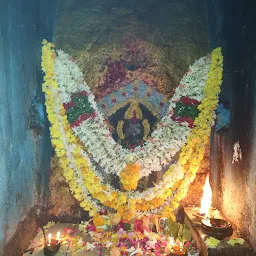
(58,236)
(206,200)
(49,238)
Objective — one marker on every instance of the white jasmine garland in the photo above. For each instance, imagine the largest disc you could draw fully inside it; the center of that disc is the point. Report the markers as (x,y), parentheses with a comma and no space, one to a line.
(70,80)
(149,193)
(164,143)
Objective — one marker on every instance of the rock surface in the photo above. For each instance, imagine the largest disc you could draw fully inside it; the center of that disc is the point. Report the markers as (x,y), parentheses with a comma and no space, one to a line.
(62,204)
(170,34)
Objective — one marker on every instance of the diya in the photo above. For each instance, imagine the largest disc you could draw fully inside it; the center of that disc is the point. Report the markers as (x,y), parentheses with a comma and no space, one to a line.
(51,246)
(217,228)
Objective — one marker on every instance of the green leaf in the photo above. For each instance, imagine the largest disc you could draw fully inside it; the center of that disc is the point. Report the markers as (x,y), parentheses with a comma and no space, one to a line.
(181,230)
(173,228)
(233,241)
(179,237)
(186,235)
(212,242)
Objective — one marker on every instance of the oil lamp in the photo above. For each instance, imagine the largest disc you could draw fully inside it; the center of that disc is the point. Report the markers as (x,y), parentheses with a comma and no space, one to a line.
(214,227)
(52,246)
(217,228)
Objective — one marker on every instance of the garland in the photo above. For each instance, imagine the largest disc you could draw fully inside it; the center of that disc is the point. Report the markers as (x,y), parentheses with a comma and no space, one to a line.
(50,87)
(76,163)
(165,141)
(130,177)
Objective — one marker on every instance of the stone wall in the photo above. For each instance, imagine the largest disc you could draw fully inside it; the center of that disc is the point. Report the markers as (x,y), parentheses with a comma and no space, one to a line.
(24,152)
(232,26)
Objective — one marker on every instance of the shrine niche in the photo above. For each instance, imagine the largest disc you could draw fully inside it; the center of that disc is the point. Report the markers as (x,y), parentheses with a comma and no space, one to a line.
(127,128)
(85,140)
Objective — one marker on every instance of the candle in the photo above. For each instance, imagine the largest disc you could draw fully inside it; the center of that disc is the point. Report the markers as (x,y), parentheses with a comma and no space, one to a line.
(49,238)
(58,236)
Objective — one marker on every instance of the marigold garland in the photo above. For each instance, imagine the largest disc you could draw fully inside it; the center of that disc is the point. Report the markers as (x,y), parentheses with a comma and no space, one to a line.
(48,56)
(190,156)
(193,152)
(98,220)
(130,176)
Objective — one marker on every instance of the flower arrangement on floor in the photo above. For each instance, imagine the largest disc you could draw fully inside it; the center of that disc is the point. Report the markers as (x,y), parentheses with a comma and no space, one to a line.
(109,235)
(191,111)
(124,238)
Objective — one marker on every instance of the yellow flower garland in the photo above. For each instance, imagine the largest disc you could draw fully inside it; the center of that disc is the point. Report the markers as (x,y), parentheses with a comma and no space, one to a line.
(49,84)
(192,151)
(130,176)
(98,220)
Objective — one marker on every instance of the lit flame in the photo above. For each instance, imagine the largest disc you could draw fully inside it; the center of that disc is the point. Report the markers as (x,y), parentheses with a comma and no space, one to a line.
(49,239)
(58,236)
(206,200)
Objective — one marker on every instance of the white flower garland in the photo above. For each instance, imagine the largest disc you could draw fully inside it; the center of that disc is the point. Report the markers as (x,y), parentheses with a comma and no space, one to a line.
(166,140)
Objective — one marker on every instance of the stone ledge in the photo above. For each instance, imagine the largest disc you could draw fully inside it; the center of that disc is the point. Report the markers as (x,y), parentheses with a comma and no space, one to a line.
(224,249)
